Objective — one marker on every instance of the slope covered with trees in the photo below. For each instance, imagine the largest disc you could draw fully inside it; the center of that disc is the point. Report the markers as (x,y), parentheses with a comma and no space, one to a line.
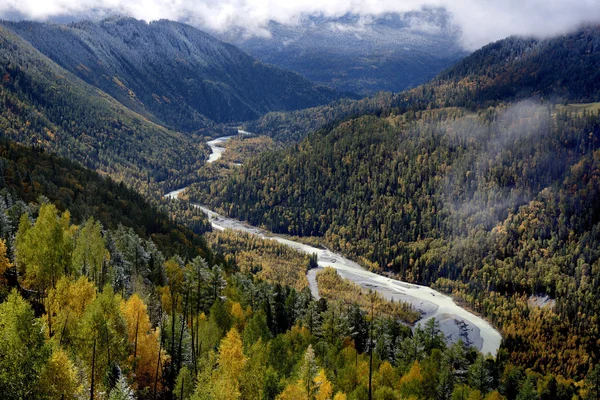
(495,206)
(41,104)
(170,72)
(560,70)
(99,327)
(30,174)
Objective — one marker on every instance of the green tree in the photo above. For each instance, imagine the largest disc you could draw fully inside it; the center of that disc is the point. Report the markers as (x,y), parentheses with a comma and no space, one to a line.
(104,324)
(431,335)
(23,351)
(479,376)
(43,250)
(256,329)
(184,384)
(527,391)
(252,382)
(89,251)
(308,371)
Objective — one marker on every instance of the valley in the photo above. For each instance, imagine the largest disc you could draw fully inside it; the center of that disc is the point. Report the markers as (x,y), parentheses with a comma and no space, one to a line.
(455,322)
(181,219)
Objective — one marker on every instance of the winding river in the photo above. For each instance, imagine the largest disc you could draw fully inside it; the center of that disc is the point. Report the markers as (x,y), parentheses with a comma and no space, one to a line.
(456,322)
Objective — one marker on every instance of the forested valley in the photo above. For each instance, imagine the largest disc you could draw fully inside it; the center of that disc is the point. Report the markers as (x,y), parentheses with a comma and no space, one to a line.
(483,183)
(105,301)
(460,186)
(95,309)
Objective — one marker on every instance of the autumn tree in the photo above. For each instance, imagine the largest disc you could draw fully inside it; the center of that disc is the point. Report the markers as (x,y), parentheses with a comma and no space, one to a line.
(231,361)
(59,379)
(67,303)
(23,351)
(411,383)
(324,386)
(5,263)
(143,342)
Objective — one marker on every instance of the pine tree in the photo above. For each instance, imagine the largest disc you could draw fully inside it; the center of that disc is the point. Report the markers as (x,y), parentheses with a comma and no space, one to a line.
(122,390)
(308,371)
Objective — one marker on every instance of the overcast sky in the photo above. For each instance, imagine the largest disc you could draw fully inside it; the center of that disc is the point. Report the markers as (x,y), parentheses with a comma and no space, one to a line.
(481,21)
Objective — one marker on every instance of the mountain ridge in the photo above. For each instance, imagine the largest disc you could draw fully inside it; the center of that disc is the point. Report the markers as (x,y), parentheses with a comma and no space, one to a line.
(365,55)
(170,72)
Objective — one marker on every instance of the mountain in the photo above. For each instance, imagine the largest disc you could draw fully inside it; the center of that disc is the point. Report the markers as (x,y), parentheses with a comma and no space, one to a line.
(43,105)
(561,69)
(391,52)
(492,200)
(171,73)
(463,184)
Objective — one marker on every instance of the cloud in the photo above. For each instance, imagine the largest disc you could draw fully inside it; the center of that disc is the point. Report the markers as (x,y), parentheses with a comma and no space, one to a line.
(480,21)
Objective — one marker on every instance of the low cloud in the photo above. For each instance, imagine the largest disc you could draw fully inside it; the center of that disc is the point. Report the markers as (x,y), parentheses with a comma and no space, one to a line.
(480,21)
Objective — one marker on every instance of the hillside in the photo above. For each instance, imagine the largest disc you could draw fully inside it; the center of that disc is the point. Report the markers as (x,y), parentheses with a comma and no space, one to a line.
(41,104)
(172,73)
(28,175)
(495,206)
(562,69)
(390,52)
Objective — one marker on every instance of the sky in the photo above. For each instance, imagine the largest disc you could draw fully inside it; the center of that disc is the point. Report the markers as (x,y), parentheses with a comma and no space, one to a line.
(480,21)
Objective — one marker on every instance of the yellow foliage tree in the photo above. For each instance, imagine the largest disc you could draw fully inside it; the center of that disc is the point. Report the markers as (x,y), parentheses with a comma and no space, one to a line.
(143,341)
(238,315)
(339,396)
(386,376)
(4,261)
(324,387)
(411,383)
(293,391)
(59,377)
(231,361)
(494,396)
(66,305)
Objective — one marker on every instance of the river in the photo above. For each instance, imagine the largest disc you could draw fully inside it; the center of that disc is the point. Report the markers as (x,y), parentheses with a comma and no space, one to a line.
(455,321)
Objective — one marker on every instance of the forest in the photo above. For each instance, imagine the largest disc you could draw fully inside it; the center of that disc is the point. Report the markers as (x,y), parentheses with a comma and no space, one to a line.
(102,301)
(495,207)
(456,184)
(91,312)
